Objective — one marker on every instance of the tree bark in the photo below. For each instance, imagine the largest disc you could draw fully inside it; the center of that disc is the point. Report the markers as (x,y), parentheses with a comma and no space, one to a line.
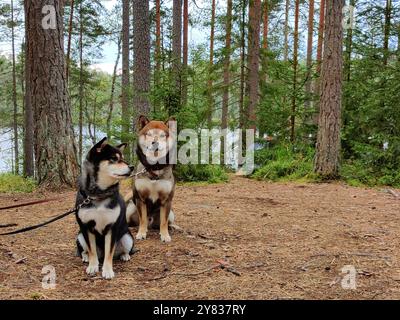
(210,68)
(265,42)
(113,80)
(14,93)
(185,50)
(227,62)
(141,52)
(71,18)
(388,18)
(125,85)
(253,60)
(80,140)
(308,100)
(328,140)
(286,31)
(55,150)
(29,164)
(265,25)
(158,41)
(176,55)
(242,113)
(349,49)
(321,26)
(295,66)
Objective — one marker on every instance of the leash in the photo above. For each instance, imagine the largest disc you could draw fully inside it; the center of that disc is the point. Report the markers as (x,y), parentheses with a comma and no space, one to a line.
(85,202)
(28,204)
(134,175)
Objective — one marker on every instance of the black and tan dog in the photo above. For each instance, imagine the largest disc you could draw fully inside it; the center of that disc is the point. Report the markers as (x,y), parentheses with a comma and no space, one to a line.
(103,227)
(149,205)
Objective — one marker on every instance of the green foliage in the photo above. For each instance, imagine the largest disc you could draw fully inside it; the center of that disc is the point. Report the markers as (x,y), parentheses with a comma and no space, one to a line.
(284,163)
(10,183)
(203,173)
(356,173)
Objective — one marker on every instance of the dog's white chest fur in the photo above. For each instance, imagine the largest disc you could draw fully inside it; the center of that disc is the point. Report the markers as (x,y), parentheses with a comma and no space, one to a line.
(154,187)
(102,215)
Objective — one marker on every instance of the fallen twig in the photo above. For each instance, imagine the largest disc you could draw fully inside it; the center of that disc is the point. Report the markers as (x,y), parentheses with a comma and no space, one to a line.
(184,274)
(8,225)
(221,265)
(22,260)
(360,254)
(393,193)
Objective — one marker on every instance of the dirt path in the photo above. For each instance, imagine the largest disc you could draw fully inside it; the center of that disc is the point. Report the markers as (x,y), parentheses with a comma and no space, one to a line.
(275,241)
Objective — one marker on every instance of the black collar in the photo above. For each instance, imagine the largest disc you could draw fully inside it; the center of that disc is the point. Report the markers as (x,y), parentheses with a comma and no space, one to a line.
(97,194)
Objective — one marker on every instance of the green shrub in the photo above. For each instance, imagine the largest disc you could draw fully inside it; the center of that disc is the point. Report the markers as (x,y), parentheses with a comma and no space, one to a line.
(357,173)
(283,163)
(10,183)
(201,173)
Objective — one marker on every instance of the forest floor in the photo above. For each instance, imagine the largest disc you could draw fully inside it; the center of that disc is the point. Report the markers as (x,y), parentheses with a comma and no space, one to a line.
(243,239)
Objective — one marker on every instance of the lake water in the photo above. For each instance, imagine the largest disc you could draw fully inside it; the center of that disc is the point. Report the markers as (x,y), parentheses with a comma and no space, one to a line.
(7,149)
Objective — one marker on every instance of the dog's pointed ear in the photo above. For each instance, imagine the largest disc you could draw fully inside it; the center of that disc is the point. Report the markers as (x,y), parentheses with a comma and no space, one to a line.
(143,121)
(122,147)
(100,145)
(171,119)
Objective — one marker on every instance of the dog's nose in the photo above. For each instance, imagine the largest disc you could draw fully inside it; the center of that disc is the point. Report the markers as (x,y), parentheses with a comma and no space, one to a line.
(132,168)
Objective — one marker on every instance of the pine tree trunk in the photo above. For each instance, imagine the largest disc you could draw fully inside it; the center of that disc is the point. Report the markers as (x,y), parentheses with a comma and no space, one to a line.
(125,85)
(55,150)
(328,140)
(295,66)
(265,25)
(29,164)
(348,51)
(227,62)
(265,43)
(176,55)
(242,113)
(158,41)
(80,140)
(321,27)
(307,103)
(113,80)
(388,18)
(398,42)
(14,93)
(253,60)
(141,53)
(71,18)
(185,50)
(286,31)
(210,68)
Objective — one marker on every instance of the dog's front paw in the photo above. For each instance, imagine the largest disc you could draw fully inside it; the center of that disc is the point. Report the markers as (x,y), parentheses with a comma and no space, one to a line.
(85,257)
(91,270)
(165,237)
(141,235)
(125,257)
(108,274)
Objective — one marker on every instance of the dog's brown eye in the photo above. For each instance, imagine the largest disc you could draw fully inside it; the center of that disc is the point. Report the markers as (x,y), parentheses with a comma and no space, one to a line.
(114,159)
